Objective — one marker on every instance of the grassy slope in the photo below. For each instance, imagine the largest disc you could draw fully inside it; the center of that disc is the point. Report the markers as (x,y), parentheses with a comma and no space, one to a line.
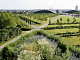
(74,40)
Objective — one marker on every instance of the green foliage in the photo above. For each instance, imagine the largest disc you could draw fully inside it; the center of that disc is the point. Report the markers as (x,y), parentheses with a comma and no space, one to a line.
(10,26)
(68,20)
(8,20)
(6,34)
(7,54)
(42,16)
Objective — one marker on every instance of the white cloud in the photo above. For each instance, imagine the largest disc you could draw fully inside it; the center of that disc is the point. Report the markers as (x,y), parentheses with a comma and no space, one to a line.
(39,4)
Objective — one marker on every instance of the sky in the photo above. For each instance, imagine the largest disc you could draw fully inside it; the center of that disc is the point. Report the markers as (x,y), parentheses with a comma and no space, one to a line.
(39,4)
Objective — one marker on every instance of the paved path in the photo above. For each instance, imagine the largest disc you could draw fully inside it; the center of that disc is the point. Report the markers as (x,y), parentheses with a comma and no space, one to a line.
(23,34)
(14,39)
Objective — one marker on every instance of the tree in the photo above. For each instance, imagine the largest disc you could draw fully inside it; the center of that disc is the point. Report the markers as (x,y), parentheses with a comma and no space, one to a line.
(49,21)
(68,20)
(74,20)
(61,19)
(7,54)
(58,21)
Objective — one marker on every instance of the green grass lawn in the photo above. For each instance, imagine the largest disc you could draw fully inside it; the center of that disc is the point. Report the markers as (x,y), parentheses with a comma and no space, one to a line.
(74,40)
(62,25)
(55,31)
(40,18)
